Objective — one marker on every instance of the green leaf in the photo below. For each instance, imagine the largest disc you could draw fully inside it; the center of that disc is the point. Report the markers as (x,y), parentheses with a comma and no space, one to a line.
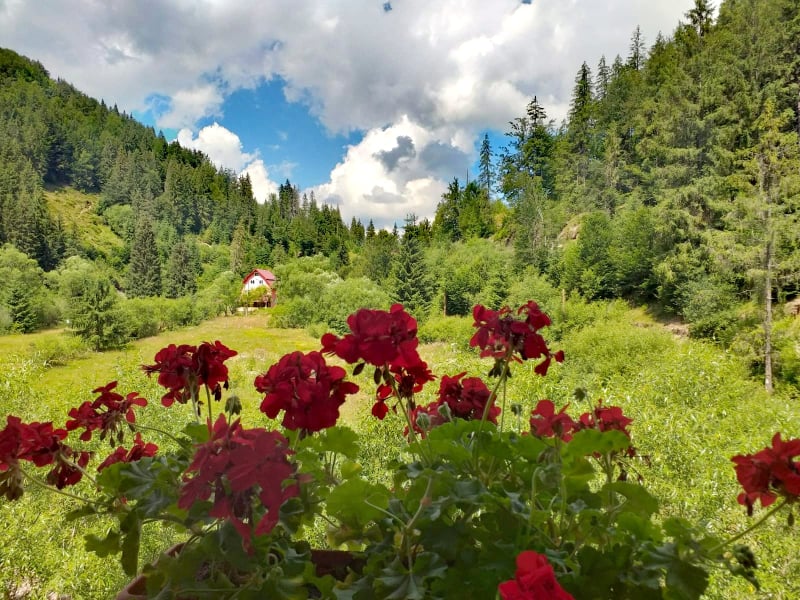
(591,441)
(685,581)
(405,584)
(340,439)
(132,530)
(357,502)
(638,499)
(197,432)
(102,547)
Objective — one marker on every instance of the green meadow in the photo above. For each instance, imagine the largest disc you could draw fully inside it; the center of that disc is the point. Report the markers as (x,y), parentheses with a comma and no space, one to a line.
(694,406)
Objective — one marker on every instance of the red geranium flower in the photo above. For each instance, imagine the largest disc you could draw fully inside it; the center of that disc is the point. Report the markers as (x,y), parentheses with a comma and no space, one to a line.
(607,418)
(174,367)
(533,580)
(69,467)
(425,418)
(502,336)
(377,337)
(108,413)
(183,369)
(408,380)
(138,450)
(546,422)
(209,362)
(467,398)
(237,466)
(769,473)
(308,390)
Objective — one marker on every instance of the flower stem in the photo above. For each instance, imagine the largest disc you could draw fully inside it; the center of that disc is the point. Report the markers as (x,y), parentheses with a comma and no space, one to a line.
(741,534)
(51,488)
(157,430)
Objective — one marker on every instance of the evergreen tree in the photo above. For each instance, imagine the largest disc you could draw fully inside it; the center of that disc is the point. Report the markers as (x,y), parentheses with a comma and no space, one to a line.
(445,223)
(409,279)
(94,315)
(20,309)
(602,78)
(182,269)
(486,168)
(144,269)
(700,16)
(637,54)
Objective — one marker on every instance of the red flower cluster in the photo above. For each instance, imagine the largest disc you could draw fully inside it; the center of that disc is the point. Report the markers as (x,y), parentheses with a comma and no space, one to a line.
(546,422)
(467,398)
(42,445)
(183,369)
(137,451)
(769,473)
(236,466)
(309,391)
(533,580)
(387,340)
(407,380)
(505,337)
(377,337)
(108,413)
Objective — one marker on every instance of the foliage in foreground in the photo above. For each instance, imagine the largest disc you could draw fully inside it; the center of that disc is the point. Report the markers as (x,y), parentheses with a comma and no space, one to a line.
(471,497)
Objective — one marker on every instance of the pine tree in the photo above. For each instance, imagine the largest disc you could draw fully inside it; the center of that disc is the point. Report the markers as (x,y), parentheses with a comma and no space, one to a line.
(700,16)
(602,78)
(182,270)
(409,279)
(637,56)
(144,269)
(94,315)
(486,168)
(21,310)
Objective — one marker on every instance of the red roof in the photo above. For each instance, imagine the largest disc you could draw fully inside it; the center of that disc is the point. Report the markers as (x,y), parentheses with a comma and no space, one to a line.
(267,276)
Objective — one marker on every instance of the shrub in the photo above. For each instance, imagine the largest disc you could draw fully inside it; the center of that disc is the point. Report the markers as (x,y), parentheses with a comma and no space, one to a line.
(452,330)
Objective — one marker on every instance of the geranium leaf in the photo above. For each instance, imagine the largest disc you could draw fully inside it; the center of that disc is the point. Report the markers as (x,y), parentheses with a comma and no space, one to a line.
(102,547)
(357,502)
(638,499)
(591,441)
(340,439)
(132,530)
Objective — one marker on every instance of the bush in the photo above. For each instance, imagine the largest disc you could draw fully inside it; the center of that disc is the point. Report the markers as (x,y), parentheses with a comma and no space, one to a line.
(294,313)
(452,330)
(58,351)
(342,298)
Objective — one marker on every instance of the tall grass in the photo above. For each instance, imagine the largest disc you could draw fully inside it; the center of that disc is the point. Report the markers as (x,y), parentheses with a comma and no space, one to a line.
(693,405)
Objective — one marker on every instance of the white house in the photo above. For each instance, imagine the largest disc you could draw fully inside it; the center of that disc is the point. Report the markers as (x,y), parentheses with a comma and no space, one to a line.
(261,278)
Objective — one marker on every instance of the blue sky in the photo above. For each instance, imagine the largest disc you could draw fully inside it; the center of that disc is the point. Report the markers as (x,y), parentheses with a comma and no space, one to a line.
(374,110)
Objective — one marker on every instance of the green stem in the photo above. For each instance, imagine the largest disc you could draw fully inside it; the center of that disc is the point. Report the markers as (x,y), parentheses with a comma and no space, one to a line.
(740,535)
(208,401)
(409,528)
(157,430)
(51,488)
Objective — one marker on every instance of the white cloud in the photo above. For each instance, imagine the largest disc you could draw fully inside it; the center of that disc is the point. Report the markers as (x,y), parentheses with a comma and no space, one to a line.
(263,186)
(224,148)
(438,72)
(188,106)
(388,174)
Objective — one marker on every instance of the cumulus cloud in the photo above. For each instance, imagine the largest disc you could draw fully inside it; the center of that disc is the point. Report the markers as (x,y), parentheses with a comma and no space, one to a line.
(404,149)
(384,178)
(224,148)
(433,73)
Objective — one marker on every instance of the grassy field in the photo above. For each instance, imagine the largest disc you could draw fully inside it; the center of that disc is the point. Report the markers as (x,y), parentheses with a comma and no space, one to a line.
(693,408)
